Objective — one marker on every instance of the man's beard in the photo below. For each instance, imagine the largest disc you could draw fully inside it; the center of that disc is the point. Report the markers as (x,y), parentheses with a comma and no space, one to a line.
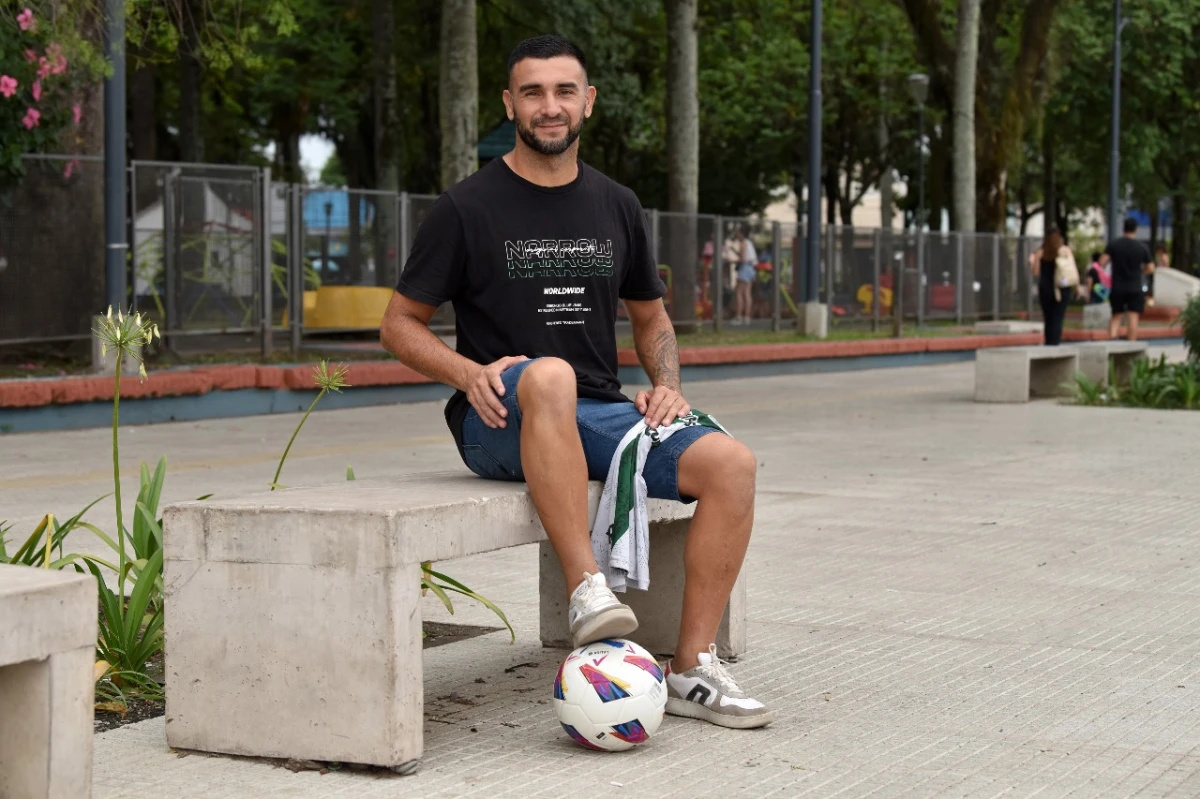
(544,147)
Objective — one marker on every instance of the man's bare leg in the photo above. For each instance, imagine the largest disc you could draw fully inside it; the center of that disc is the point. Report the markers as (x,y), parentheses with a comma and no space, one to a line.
(554,465)
(720,472)
(1114,326)
(1133,326)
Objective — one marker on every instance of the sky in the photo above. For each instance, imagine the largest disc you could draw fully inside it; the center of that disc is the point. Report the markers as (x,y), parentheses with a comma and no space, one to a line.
(314,152)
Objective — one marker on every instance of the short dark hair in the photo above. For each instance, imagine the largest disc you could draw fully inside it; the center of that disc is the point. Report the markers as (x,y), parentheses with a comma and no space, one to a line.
(1131,225)
(1096,256)
(546,46)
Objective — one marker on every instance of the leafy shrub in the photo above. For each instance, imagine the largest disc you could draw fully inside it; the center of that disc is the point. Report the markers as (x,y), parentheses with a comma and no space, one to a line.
(1189,320)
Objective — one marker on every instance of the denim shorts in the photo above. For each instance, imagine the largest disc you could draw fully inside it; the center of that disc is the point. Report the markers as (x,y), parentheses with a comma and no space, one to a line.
(495,453)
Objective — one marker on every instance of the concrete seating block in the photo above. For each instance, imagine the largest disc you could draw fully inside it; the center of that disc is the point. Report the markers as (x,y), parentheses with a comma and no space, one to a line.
(294,617)
(1015,374)
(47,651)
(1097,316)
(1095,357)
(1005,327)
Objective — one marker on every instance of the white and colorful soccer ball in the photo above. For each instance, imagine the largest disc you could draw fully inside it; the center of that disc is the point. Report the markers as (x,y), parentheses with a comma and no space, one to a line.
(610,695)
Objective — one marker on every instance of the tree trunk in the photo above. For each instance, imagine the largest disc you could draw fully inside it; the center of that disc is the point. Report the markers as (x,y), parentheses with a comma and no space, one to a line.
(683,157)
(967,55)
(143,128)
(458,91)
(191,140)
(1049,189)
(387,144)
(886,203)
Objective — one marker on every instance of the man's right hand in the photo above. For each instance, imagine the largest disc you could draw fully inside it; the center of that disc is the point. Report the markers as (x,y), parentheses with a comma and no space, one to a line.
(485,389)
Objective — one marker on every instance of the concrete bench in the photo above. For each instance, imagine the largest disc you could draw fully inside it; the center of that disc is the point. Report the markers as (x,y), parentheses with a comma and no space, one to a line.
(1097,316)
(294,617)
(1014,374)
(1094,359)
(1008,326)
(47,654)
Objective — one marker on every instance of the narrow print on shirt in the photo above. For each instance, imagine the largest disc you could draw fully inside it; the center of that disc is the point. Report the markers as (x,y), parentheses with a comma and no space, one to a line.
(548,258)
(560,258)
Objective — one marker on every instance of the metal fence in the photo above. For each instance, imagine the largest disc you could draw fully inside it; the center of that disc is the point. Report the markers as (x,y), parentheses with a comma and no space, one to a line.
(222,256)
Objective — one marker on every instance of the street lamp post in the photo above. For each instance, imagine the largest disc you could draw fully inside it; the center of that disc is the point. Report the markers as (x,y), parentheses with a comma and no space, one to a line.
(1114,164)
(813,255)
(325,241)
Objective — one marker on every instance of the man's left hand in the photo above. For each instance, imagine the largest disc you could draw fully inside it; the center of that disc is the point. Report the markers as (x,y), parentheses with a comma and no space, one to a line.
(661,406)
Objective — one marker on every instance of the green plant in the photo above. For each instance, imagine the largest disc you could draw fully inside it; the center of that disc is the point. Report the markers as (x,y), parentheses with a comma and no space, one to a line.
(1189,320)
(38,548)
(326,381)
(126,335)
(131,632)
(1088,391)
(429,582)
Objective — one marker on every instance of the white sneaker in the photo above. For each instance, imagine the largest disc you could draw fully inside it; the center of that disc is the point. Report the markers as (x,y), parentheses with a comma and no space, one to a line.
(595,613)
(709,692)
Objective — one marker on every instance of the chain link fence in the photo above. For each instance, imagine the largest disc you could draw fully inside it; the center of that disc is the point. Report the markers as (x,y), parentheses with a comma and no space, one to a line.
(221,256)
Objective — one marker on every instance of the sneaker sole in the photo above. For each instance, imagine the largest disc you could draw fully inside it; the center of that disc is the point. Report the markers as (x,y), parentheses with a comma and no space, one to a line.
(616,623)
(694,710)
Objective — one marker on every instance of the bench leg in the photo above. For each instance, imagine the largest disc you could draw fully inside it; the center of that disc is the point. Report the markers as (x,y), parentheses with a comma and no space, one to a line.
(1094,366)
(295,661)
(1123,366)
(1052,378)
(46,739)
(1001,378)
(658,610)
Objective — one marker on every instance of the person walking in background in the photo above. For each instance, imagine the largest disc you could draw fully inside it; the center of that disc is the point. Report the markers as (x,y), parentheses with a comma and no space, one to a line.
(747,258)
(1130,263)
(1054,288)
(1099,281)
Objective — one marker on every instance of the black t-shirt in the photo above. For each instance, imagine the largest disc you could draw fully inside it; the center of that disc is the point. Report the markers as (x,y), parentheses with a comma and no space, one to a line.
(1128,256)
(534,270)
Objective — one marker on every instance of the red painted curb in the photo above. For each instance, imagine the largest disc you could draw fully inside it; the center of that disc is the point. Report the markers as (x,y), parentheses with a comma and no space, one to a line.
(32,393)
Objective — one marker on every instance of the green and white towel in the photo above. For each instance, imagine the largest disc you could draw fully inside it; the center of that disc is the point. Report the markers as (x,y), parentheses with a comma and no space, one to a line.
(621,531)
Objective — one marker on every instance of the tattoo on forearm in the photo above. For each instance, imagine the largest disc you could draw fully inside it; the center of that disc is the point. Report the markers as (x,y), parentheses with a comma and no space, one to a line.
(662,359)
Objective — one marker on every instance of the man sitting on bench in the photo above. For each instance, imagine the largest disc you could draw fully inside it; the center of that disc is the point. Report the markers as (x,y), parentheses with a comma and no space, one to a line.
(534,251)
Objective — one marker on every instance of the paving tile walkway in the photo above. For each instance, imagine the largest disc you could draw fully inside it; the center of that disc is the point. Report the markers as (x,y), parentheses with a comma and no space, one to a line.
(946,599)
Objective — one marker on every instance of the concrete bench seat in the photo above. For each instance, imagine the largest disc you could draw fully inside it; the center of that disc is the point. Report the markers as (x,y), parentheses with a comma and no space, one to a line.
(1015,374)
(294,617)
(1095,357)
(1008,327)
(47,654)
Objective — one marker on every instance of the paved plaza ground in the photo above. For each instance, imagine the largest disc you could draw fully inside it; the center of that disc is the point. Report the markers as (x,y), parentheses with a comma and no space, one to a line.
(946,599)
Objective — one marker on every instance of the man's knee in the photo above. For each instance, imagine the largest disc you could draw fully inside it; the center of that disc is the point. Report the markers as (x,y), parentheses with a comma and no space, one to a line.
(718,464)
(547,384)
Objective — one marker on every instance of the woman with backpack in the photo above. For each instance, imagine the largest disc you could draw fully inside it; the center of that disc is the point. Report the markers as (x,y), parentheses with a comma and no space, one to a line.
(1054,268)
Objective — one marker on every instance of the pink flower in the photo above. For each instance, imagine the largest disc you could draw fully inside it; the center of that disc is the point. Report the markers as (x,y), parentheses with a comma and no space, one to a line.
(70,168)
(26,21)
(78,112)
(32,116)
(30,56)
(44,67)
(37,90)
(8,86)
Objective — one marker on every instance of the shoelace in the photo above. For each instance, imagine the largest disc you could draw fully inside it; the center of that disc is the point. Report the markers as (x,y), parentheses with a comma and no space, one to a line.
(589,595)
(716,672)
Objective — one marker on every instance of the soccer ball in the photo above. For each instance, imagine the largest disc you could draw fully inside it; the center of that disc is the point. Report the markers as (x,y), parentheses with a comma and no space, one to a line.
(610,695)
